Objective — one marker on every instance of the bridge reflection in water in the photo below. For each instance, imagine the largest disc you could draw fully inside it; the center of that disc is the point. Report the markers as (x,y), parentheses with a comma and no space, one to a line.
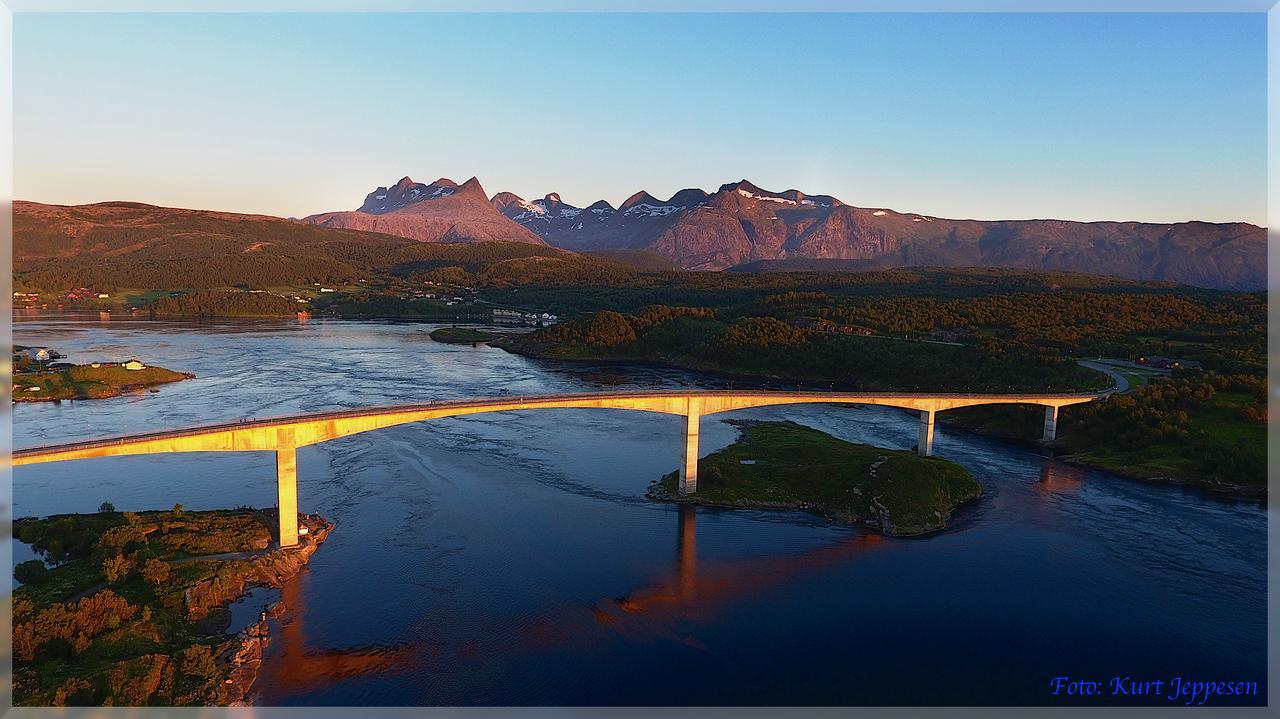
(286,434)
(688,592)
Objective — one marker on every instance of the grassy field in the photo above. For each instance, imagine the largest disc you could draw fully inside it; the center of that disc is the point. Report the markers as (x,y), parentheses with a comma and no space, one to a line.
(88,382)
(784,465)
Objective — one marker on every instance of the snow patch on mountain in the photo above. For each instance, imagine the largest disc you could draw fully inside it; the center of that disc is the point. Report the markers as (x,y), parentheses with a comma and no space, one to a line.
(646,210)
(781,200)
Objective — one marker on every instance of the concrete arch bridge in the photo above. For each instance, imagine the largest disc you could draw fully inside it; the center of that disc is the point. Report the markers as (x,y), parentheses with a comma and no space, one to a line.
(284,435)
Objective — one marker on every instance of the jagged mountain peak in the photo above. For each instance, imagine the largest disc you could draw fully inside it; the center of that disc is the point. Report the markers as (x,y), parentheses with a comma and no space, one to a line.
(406,192)
(442,211)
(472,187)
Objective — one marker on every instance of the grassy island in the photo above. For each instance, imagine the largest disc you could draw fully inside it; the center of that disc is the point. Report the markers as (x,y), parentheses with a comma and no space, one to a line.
(783,465)
(131,608)
(463,336)
(89,382)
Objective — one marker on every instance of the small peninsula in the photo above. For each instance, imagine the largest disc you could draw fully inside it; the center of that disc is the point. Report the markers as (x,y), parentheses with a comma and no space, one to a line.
(99,380)
(131,609)
(787,466)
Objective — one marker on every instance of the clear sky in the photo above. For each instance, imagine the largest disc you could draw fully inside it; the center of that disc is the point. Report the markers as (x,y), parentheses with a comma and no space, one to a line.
(1115,116)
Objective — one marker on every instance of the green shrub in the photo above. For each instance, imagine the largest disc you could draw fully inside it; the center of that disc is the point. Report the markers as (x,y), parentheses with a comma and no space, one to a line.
(32,571)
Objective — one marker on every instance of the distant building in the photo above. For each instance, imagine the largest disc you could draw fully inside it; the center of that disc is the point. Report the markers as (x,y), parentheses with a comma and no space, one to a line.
(517,317)
(1158,362)
(133,364)
(103,296)
(39,354)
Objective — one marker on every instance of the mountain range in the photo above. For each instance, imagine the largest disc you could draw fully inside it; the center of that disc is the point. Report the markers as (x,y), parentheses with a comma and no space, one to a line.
(443,211)
(741,226)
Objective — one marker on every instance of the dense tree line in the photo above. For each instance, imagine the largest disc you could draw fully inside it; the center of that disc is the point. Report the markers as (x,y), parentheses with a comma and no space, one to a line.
(654,315)
(1186,417)
(769,347)
(1066,317)
(750,332)
(226,304)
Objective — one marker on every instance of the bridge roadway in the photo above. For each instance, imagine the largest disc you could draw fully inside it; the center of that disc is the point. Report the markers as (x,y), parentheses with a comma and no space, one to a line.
(284,435)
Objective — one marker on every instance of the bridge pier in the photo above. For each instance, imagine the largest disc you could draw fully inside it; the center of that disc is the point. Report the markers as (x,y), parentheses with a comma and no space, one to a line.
(287,492)
(689,474)
(924,444)
(1050,424)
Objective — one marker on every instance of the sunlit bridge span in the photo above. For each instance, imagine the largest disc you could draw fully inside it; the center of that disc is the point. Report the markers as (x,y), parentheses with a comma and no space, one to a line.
(284,435)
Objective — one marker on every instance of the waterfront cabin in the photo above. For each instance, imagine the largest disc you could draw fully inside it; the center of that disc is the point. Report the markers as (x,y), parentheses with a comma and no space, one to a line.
(134,364)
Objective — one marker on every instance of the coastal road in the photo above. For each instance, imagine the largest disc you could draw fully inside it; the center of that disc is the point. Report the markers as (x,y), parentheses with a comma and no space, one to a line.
(1120,379)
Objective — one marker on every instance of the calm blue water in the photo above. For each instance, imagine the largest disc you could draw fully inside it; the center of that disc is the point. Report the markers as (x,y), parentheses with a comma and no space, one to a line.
(511,559)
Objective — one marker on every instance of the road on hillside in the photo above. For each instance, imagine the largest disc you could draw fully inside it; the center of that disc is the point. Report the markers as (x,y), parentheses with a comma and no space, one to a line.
(1121,379)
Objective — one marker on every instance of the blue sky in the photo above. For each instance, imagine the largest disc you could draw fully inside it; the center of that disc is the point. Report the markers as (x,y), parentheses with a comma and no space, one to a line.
(1114,116)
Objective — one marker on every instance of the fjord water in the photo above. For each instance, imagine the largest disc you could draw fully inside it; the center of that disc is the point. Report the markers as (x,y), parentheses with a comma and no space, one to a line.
(512,559)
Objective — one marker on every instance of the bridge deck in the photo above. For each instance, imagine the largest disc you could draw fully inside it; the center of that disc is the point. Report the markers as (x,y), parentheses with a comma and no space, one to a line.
(301,430)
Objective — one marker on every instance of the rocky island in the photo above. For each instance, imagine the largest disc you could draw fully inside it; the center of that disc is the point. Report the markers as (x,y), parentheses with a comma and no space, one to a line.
(131,609)
(786,466)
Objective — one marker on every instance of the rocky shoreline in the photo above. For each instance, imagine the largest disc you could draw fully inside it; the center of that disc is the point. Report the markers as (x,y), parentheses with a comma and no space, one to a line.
(244,658)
